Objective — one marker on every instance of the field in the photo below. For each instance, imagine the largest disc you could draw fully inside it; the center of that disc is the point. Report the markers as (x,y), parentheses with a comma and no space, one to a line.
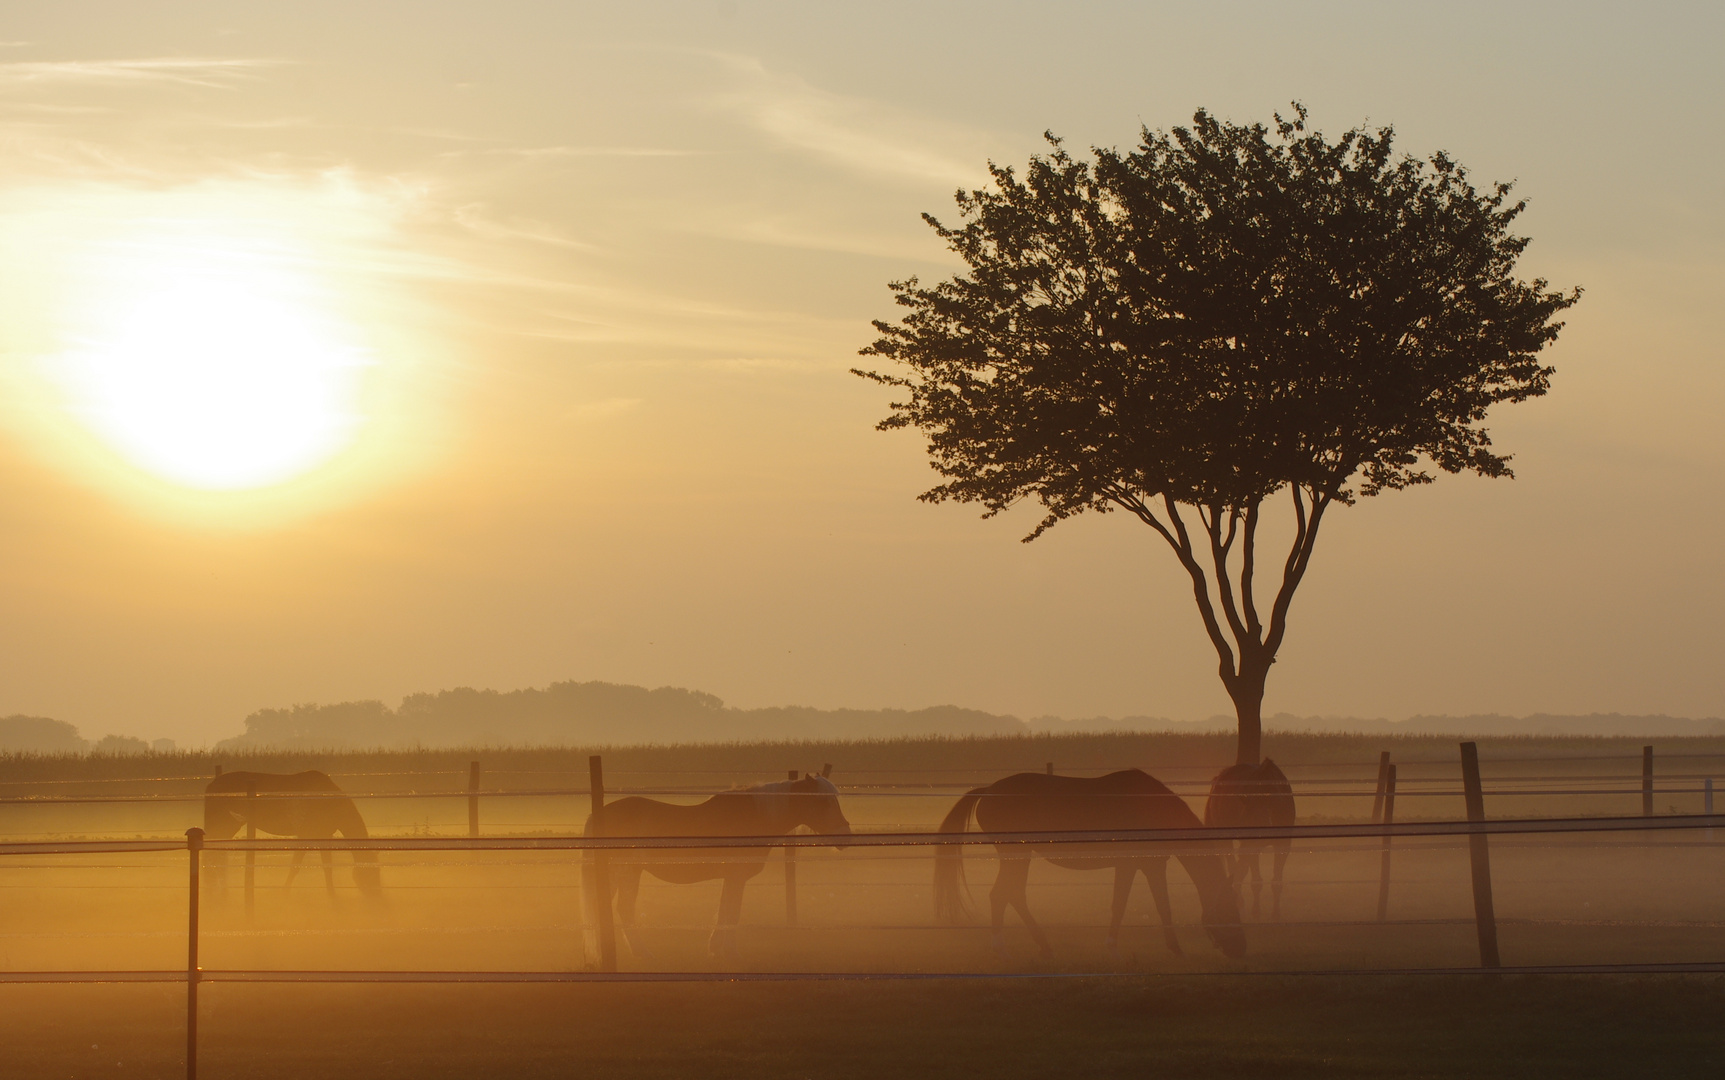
(1585,899)
(1557,1027)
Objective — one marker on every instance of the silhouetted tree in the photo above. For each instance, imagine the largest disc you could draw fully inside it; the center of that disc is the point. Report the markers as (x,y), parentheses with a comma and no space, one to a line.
(1228,311)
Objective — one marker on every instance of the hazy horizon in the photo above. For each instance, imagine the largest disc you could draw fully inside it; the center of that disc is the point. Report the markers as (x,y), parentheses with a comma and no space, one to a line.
(591,280)
(602,713)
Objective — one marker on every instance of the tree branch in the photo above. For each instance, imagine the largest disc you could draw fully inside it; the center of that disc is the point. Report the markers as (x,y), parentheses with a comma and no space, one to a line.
(1224,587)
(1248,558)
(1201,592)
(1299,557)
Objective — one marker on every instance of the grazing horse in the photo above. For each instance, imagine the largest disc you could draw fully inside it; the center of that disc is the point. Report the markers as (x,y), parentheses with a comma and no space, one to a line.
(1251,796)
(1039,802)
(762,810)
(306,806)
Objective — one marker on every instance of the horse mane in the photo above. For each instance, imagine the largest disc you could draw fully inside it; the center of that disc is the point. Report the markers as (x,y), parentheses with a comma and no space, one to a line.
(823,786)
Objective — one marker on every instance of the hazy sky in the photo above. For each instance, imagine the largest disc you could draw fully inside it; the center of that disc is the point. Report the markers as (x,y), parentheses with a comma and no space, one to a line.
(562,300)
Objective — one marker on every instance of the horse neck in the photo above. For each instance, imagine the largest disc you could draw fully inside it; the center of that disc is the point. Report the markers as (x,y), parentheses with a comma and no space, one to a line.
(775,807)
(346,815)
(1209,875)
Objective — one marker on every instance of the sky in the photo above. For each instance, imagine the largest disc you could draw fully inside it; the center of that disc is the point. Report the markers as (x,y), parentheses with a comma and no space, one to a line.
(548,311)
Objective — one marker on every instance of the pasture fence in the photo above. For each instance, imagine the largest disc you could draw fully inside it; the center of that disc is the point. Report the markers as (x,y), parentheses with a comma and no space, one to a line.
(597,849)
(1476,829)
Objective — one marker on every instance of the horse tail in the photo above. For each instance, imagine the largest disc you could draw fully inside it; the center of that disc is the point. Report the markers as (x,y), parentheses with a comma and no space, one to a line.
(949,885)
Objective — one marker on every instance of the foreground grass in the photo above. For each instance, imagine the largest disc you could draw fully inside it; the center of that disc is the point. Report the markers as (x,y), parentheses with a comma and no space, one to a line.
(1173,1027)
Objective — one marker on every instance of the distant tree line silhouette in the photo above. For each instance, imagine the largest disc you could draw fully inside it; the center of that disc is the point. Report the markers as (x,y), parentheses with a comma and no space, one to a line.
(20,734)
(567,713)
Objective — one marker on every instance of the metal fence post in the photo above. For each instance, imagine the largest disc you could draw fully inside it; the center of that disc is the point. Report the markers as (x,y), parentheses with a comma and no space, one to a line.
(473,798)
(1647,781)
(1480,857)
(1378,798)
(598,863)
(1389,818)
(791,878)
(194,848)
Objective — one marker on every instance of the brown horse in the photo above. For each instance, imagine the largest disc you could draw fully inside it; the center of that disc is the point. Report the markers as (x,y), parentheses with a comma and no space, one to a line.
(306,806)
(1038,802)
(1252,796)
(762,810)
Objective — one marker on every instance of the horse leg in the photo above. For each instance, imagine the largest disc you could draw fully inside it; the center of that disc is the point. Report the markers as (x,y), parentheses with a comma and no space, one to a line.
(1123,874)
(328,858)
(595,899)
(1014,876)
(1257,870)
(1234,860)
(293,869)
(628,888)
(997,911)
(1156,876)
(1280,861)
(724,940)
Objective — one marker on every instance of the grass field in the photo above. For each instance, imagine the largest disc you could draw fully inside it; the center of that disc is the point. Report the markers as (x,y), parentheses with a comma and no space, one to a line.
(1560,900)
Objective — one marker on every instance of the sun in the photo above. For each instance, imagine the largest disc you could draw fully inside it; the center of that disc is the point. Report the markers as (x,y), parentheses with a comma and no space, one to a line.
(211,359)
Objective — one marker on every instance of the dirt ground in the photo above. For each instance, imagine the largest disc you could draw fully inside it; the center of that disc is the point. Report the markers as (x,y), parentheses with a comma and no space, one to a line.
(1185,1027)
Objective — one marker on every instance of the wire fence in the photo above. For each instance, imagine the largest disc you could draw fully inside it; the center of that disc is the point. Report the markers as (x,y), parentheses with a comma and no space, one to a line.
(509,846)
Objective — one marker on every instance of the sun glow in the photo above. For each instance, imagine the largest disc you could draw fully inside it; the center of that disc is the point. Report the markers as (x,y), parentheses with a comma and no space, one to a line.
(189,346)
(213,367)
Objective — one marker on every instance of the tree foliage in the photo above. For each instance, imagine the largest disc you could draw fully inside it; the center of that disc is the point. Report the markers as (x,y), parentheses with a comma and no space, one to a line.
(1222,313)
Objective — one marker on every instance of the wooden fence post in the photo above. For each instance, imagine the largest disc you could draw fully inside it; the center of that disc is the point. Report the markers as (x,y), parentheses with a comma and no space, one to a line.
(1647,781)
(1707,802)
(473,798)
(1480,857)
(1389,818)
(826,770)
(600,867)
(791,878)
(1378,799)
(194,848)
(251,856)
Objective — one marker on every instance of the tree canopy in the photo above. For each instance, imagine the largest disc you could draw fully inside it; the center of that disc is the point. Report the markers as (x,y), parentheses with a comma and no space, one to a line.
(1222,313)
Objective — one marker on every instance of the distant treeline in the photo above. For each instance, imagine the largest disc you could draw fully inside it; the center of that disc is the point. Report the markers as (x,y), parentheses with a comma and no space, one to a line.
(1607,724)
(610,714)
(21,734)
(598,713)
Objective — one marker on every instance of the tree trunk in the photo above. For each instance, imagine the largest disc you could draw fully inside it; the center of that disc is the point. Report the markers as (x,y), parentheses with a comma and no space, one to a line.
(1247,691)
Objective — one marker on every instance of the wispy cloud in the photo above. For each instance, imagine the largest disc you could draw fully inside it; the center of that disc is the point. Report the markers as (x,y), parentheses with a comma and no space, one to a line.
(855,132)
(185,71)
(472,218)
(596,410)
(534,152)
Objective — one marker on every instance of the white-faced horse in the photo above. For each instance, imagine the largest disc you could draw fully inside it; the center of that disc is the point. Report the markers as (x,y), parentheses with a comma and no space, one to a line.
(763,810)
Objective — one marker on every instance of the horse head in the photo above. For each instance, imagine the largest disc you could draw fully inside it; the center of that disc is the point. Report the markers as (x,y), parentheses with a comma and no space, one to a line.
(1221,916)
(819,809)
(367,875)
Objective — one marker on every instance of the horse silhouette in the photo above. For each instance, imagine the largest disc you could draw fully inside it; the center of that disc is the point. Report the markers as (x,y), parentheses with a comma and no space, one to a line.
(763,810)
(306,806)
(1040,802)
(1252,796)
